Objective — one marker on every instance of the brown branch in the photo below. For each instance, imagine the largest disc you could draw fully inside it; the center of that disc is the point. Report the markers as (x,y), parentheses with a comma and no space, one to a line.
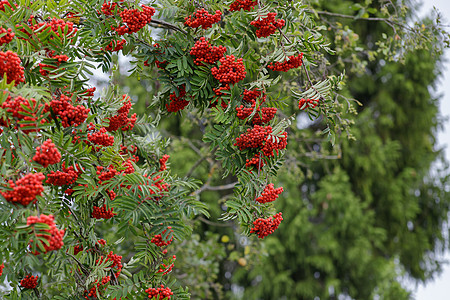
(167,25)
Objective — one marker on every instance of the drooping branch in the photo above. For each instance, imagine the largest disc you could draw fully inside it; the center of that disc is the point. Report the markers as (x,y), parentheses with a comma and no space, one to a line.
(167,25)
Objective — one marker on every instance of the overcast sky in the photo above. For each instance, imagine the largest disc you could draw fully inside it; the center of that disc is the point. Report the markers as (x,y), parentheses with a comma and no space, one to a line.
(439,289)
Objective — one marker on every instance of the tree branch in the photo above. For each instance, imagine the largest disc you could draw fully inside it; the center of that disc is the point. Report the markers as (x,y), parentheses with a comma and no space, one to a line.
(167,25)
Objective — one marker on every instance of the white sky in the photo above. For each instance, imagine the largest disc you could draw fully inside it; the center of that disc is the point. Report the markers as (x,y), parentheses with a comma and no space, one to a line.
(439,289)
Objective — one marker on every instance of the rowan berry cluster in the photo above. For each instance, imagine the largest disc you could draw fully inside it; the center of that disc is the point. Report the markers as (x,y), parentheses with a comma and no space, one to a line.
(3,3)
(163,161)
(159,293)
(230,71)
(166,269)
(55,25)
(247,5)
(20,108)
(25,189)
(255,161)
(1,269)
(134,20)
(100,137)
(205,53)
(269,194)
(59,59)
(115,46)
(158,238)
(47,154)
(156,183)
(268,25)
(261,115)
(292,63)
(109,7)
(55,239)
(95,289)
(177,102)
(67,176)
(29,282)
(104,176)
(77,249)
(121,120)
(254,137)
(70,115)
(202,18)
(103,212)
(274,144)
(218,96)
(8,36)
(115,259)
(264,227)
(10,66)
(307,103)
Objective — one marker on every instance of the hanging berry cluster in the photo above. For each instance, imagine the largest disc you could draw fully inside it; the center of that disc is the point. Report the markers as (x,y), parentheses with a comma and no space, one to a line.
(160,293)
(56,236)
(103,212)
(47,154)
(262,115)
(60,28)
(25,189)
(21,109)
(70,115)
(264,227)
(10,66)
(58,60)
(230,71)
(1,269)
(269,194)
(159,241)
(167,268)
(29,282)
(202,18)
(177,102)
(268,25)
(67,176)
(307,103)
(134,20)
(205,53)
(7,37)
(261,138)
(115,46)
(292,63)
(99,137)
(163,161)
(121,120)
(247,5)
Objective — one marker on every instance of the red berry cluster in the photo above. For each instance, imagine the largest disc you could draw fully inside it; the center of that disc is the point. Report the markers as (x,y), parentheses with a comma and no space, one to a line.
(254,137)
(29,282)
(218,97)
(100,137)
(158,238)
(108,8)
(134,20)
(1,268)
(59,59)
(77,249)
(268,25)
(307,103)
(10,66)
(102,212)
(158,183)
(292,63)
(264,227)
(163,161)
(255,161)
(204,52)
(55,25)
(25,189)
(17,108)
(262,115)
(47,154)
(129,168)
(95,289)
(159,293)
(104,176)
(3,3)
(56,236)
(65,177)
(70,115)
(271,144)
(121,120)
(8,36)
(114,258)
(166,269)
(115,46)
(269,194)
(177,103)
(230,70)
(202,18)
(243,4)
